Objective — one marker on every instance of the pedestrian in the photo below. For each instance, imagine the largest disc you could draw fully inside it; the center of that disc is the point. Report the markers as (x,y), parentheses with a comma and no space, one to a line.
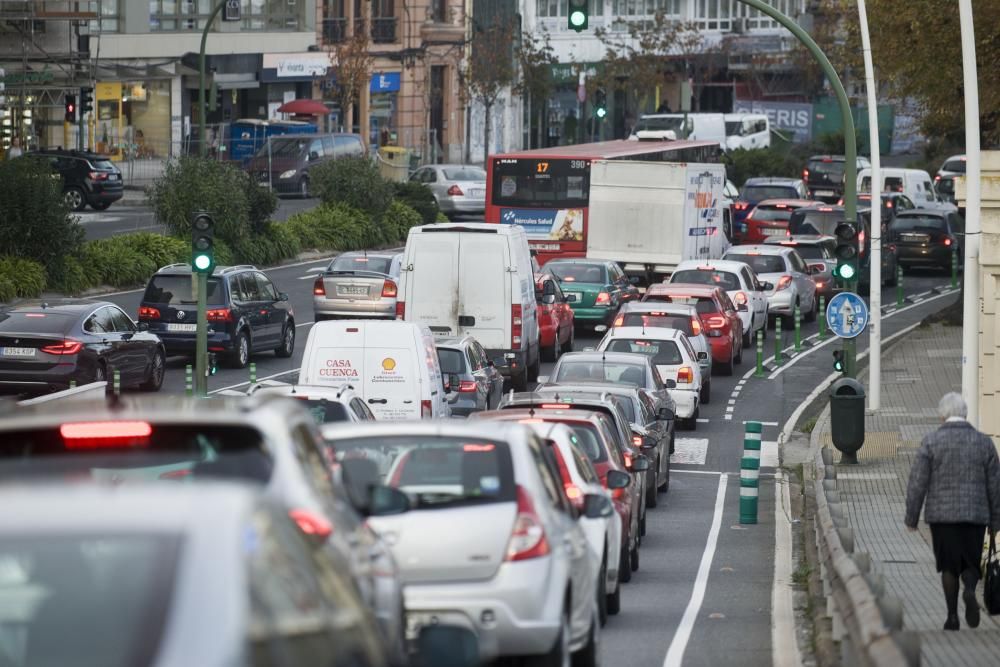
(15,149)
(957,473)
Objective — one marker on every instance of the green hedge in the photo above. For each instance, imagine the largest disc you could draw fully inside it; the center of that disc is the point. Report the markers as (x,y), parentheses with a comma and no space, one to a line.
(339,227)
(420,198)
(354,182)
(20,277)
(398,220)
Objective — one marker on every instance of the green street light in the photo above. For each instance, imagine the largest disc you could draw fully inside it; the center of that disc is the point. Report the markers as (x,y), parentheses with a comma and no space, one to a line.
(203,243)
(847,251)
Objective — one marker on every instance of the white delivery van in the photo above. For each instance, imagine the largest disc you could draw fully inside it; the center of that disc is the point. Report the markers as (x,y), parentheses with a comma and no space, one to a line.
(392,365)
(651,216)
(747,131)
(914,183)
(691,127)
(475,279)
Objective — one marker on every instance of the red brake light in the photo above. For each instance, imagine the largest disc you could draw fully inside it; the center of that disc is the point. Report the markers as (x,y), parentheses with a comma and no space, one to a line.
(947,241)
(527,537)
(628,459)
(715,322)
(148,313)
(742,206)
(784,282)
(619,321)
(400,310)
(389,289)
(66,347)
(219,315)
(515,325)
(426,409)
(805,174)
(98,176)
(574,494)
(92,435)
(637,440)
(319,287)
(467,387)
(685,375)
(695,326)
(888,204)
(311,524)
(603,298)
(555,406)
(455,191)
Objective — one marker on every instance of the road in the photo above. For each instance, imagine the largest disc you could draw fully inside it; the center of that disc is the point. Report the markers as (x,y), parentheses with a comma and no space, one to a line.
(703,591)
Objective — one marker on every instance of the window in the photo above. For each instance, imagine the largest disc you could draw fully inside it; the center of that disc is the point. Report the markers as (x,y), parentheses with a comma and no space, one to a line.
(549,478)
(249,287)
(109,14)
(100,322)
(719,14)
(183,15)
(645,7)
(383,21)
(557,8)
(266,288)
(122,322)
(346,144)
(439,11)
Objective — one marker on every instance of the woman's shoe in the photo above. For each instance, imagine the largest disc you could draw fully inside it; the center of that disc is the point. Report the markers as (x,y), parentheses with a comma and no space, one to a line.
(951,623)
(971,607)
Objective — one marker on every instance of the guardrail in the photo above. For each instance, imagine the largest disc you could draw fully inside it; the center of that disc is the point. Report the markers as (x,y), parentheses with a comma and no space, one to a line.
(867,622)
(83,392)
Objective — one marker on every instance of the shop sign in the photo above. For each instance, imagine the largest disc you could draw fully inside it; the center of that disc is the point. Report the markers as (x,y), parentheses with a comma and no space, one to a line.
(385,82)
(791,117)
(299,67)
(570,72)
(17,78)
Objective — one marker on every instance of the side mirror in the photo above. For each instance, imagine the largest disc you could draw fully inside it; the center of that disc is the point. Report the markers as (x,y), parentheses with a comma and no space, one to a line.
(387,501)
(446,646)
(597,507)
(743,308)
(767,287)
(670,384)
(618,479)
(702,356)
(313,156)
(640,464)
(665,414)
(600,328)
(282,296)
(634,280)
(549,299)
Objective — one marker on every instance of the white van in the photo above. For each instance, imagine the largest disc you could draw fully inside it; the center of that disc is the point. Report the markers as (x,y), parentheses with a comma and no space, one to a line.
(747,131)
(914,183)
(475,279)
(392,365)
(691,127)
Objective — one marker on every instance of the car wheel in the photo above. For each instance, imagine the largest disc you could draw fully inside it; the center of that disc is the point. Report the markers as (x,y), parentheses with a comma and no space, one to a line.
(706,392)
(157,368)
(789,320)
(642,525)
(602,593)
(814,311)
(568,346)
(587,656)
(739,354)
(101,205)
(304,187)
(615,599)
(747,338)
(287,346)
(633,559)
(624,565)
(101,372)
(559,655)
(240,356)
(74,199)
(651,488)
(665,488)
(727,368)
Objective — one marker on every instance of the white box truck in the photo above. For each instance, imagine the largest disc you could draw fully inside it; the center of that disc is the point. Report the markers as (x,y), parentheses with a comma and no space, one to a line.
(650,216)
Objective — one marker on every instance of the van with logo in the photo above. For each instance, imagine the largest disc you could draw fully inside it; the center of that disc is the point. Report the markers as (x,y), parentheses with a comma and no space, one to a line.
(393,366)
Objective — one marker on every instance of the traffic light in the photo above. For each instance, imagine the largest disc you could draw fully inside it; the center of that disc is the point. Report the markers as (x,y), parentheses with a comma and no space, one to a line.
(71,108)
(579,15)
(847,251)
(86,100)
(601,103)
(203,243)
(838,361)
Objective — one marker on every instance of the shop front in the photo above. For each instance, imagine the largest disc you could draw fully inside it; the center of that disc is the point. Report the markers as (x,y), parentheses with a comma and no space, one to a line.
(132,119)
(383,111)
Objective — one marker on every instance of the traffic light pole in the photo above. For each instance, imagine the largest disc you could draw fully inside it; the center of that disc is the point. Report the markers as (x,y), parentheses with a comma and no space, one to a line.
(201,337)
(202,148)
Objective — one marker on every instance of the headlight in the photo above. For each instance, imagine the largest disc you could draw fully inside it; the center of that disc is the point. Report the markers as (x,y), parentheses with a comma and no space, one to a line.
(287,174)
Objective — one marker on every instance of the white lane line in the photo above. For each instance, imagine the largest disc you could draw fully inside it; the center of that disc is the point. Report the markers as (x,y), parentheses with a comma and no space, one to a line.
(675,654)
(729,417)
(689,471)
(768,454)
(922,294)
(732,401)
(703,421)
(784,645)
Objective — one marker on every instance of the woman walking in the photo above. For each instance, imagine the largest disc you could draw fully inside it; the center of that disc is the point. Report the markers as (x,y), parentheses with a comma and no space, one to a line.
(958,473)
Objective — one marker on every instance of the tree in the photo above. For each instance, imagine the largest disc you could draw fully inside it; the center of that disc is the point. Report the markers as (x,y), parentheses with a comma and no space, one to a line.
(351,66)
(536,57)
(491,68)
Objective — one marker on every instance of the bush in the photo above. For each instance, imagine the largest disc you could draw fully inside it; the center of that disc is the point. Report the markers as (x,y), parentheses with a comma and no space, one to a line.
(441,217)
(118,263)
(275,244)
(354,182)
(35,221)
(337,227)
(420,198)
(20,277)
(71,277)
(742,164)
(162,250)
(398,220)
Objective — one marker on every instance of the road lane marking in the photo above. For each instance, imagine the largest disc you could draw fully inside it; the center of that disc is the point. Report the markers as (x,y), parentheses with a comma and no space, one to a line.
(700,420)
(784,644)
(266,377)
(675,654)
(769,454)
(690,451)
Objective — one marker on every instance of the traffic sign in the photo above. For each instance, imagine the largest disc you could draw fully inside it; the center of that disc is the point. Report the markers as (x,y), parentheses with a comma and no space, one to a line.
(847,315)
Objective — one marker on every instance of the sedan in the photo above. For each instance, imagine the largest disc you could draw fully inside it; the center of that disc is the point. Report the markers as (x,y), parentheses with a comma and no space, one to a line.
(788,274)
(596,288)
(555,317)
(358,284)
(49,346)
(924,238)
(459,189)
(634,369)
(471,375)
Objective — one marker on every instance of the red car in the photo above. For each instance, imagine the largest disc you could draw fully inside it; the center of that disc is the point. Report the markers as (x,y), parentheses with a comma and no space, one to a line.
(555,317)
(719,318)
(770,218)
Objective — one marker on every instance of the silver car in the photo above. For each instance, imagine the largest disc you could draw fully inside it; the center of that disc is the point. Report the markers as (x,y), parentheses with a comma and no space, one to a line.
(788,275)
(459,189)
(358,284)
(492,542)
(474,379)
(817,251)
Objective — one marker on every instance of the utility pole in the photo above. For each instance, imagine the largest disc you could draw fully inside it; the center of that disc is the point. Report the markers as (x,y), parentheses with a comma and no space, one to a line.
(232,8)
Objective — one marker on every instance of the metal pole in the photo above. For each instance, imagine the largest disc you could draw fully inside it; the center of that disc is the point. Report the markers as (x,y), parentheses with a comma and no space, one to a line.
(970,306)
(202,149)
(201,340)
(822,317)
(875,279)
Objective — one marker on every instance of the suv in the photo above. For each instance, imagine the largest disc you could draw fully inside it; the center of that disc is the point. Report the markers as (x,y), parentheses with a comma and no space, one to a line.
(246,312)
(824,174)
(88,178)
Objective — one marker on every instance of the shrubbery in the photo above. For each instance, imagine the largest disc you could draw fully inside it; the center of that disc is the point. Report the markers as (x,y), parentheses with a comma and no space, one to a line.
(420,198)
(20,277)
(355,182)
(339,227)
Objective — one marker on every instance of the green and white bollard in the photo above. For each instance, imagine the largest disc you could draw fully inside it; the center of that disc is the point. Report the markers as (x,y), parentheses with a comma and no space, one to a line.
(822,317)
(72,384)
(954,268)
(798,329)
(750,472)
(899,287)
(117,379)
(189,380)
(253,373)
(777,340)
(760,353)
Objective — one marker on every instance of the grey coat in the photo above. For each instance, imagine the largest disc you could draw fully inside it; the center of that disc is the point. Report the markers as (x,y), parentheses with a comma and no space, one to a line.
(958,471)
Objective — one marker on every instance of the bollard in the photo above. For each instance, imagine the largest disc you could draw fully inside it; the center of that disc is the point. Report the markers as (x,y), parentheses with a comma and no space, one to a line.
(188,380)
(253,373)
(760,353)
(117,382)
(899,287)
(750,472)
(777,340)
(954,268)
(822,317)
(798,329)
(72,384)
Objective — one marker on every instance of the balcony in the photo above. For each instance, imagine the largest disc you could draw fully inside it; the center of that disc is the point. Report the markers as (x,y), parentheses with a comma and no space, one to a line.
(384,30)
(334,30)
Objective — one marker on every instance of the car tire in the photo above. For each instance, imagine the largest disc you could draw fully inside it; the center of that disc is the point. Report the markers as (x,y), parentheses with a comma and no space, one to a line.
(568,347)
(286,348)
(642,527)
(747,338)
(633,559)
(602,593)
(75,199)
(101,373)
(559,655)
(304,187)
(157,369)
(240,356)
(614,601)
(652,488)
(588,655)
(624,565)
(665,488)
(739,355)
(727,368)
(814,311)
(706,392)
(100,206)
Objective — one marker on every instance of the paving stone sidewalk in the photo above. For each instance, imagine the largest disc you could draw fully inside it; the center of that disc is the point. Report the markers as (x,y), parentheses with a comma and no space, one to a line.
(916,373)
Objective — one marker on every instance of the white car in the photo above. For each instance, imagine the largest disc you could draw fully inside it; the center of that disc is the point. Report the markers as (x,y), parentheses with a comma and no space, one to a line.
(741,284)
(672,355)
(788,275)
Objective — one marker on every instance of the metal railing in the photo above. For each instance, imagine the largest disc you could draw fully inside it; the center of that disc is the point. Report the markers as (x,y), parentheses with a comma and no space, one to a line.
(334,30)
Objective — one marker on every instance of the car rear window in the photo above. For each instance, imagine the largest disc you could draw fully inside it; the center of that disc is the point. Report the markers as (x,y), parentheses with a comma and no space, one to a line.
(946,186)
(85,598)
(465,174)
(324,411)
(588,440)
(705,305)
(176,291)
(760,263)
(724,279)
(597,371)
(580,273)
(103,165)
(809,251)
(771,213)
(360,263)
(35,322)
(831,167)
(435,471)
(452,361)
(954,165)
(813,221)
(919,223)
(762,192)
(665,320)
(660,352)
(136,451)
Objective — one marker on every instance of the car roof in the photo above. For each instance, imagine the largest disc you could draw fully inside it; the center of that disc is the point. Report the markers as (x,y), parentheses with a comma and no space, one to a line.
(184,269)
(649,306)
(922,213)
(517,414)
(787,202)
(456,165)
(760,249)
(88,155)
(656,333)
(720,264)
(363,253)
(454,341)
(771,180)
(801,239)
(577,260)
(687,288)
(56,306)
(342,393)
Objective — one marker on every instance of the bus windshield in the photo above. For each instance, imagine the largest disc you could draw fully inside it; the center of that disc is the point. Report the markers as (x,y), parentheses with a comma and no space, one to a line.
(548,183)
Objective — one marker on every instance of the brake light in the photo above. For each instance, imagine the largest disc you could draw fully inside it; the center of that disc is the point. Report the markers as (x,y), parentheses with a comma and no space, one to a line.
(219,315)
(574,494)
(602,299)
(311,524)
(891,247)
(92,435)
(476,448)
(685,375)
(888,204)
(805,174)
(947,241)
(741,298)
(637,440)
(742,206)
(781,206)
(784,282)
(426,411)
(67,347)
(148,313)
(466,386)
(98,176)
(555,406)
(715,322)
(695,326)
(515,325)
(400,310)
(527,537)
(319,287)
(389,289)
(455,191)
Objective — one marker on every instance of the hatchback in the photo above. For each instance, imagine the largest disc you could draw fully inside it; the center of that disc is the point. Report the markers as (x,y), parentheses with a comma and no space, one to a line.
(787,273)
(358,284)
(88,178)
(47,346)
(756,190)
(925,238)
(824,176)
(817,252)
(769,218)
(596,288)
(719,318)
(741,285)
(327,405)
(470,373)
(555,317)
(246,313)
(459,189)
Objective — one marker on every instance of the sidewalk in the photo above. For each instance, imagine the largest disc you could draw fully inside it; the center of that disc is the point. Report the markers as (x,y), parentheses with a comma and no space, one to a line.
(916,373)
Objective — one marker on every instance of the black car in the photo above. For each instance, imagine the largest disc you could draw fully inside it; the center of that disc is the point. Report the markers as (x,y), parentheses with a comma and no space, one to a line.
(246,313)
(924,238)
(45,346)
(824,176)
(88,178)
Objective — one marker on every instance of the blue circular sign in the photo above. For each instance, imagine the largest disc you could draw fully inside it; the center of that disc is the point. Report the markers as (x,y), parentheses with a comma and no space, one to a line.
(847,315)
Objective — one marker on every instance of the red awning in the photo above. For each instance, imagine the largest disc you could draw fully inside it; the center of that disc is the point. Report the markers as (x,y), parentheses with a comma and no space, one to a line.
(304,108)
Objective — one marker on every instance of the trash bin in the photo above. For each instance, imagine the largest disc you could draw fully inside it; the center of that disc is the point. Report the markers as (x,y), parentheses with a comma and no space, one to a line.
(847,417)
(394,163)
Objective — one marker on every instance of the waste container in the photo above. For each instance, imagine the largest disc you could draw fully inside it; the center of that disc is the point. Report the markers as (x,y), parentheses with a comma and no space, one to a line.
(847,417)
(394,163)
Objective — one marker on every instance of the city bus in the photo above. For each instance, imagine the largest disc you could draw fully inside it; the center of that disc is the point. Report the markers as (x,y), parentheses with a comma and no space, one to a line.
(547,190)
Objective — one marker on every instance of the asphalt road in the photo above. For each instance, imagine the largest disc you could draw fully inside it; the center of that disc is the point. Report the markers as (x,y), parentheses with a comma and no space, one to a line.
(703,590)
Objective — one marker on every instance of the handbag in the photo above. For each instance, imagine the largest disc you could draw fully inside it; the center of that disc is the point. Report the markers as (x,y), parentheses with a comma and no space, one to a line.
(991,579)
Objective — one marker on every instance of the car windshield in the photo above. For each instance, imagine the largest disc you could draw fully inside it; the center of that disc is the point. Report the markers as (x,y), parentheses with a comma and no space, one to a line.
(954,165)
(464,174)
(435,471)
(452,361)
(580,273)
(919,223)
(664,320)
(84,598)
(285,147)
(653,124)
(661,352)
(705,305)
(176,291)
(360,263)
(760,263)
(826,166)
(724,279)
(762,192)
(577,370)
(771,213)
(135,451)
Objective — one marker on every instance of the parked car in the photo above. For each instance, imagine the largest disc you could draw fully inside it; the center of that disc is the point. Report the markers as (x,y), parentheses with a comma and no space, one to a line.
(88,178)
(818,254)
(595,288)
(47,345)
(246,313)
(327,405)
(284,163)
(358,284)
(459,189)
(719,318)
(824,176)
(759,189)
(786,271)
(556,323)
(925,239)
(741,285)
(471,375)
(769,218)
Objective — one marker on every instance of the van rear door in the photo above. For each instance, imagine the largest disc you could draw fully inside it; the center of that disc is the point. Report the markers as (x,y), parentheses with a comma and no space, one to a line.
(484,289)
(431,293)
(391,385)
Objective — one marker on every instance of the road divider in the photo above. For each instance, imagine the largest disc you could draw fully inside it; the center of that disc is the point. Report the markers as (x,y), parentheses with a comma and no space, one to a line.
(750,472)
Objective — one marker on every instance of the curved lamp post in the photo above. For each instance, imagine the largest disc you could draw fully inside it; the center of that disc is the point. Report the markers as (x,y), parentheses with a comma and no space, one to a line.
(202,148)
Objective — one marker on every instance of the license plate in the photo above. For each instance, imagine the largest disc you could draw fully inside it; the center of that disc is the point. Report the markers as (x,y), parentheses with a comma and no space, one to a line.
(477,194)
(20,352)
(186,328)
(824,193)
(113,177)
(353,290)
(544,246)
(574,297)
(773,232)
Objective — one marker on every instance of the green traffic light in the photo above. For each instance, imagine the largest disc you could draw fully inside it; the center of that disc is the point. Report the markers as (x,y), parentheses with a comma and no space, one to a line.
(577,18)
(602,112)
(847,271)
(202,262)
